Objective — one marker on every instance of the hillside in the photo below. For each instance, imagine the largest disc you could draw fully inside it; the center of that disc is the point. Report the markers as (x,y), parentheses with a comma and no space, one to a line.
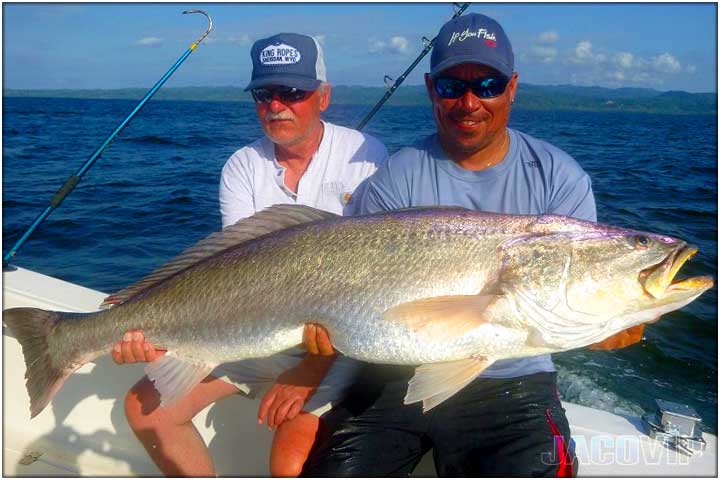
(530,97)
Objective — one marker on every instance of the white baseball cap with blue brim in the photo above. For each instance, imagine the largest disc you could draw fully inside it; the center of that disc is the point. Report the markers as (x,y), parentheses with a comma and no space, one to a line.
(289,60)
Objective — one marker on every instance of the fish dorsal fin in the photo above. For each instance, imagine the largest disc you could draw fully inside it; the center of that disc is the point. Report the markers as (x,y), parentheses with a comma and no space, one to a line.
(442,317)
(434,383)
(272,219)
(174,377)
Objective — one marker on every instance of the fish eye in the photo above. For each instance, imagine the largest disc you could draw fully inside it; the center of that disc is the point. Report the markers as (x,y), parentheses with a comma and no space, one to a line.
(642,241)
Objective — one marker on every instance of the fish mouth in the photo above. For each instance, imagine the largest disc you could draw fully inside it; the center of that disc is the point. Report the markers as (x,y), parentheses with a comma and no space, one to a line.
(659,280)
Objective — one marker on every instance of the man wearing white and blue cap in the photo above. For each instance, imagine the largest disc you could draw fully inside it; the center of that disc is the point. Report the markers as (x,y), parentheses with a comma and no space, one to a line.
(507,420)
(287,59)
(300,160)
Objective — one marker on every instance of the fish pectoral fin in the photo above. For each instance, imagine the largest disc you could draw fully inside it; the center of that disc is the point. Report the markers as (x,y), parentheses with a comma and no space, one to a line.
(174,377)
(434,383)
(443,317)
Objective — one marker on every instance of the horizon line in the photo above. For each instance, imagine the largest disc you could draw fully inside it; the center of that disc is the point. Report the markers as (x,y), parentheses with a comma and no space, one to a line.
(348,86)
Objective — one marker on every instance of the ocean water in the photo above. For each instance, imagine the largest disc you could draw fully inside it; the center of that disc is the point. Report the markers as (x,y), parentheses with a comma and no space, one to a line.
(154,193)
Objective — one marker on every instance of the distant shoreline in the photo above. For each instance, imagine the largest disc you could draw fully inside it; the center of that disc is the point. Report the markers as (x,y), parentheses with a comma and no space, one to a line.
(529,97)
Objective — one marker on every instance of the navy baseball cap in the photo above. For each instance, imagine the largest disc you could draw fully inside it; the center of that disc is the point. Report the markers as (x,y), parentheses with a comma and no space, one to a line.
(472,38)
(287,59)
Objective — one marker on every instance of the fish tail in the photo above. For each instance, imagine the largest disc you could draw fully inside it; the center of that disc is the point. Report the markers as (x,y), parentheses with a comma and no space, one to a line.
(31,328)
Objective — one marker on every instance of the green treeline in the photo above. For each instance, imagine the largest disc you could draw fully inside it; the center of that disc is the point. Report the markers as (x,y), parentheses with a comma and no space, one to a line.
(530,97)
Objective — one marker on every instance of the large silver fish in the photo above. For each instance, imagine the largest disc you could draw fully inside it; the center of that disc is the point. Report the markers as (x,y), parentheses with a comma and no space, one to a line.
(448,289)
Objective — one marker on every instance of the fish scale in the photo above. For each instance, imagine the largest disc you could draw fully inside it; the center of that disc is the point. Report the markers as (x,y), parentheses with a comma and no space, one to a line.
(443,288)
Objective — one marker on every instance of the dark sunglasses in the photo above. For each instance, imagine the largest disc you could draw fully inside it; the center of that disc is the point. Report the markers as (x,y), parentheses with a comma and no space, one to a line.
(284,94)
(486,87)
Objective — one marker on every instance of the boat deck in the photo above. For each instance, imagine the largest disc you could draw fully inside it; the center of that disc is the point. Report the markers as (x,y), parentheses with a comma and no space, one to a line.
(83,431)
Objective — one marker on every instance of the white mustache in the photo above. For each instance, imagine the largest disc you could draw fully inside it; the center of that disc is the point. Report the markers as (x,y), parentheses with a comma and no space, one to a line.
(269,116)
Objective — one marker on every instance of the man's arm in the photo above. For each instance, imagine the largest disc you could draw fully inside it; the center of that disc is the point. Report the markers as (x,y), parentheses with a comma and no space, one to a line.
(135,349)
(620,340)
(292,389)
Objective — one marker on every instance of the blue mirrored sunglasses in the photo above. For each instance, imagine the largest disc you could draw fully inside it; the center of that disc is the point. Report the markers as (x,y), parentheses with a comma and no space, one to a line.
(284,94)
(485,87)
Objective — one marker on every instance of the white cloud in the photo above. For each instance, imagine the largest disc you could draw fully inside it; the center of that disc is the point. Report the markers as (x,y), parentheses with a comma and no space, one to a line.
(647,79)
(666,63)
(588,64)
(625,60)
(396,45)
(400,44)
(544,54)
(149,41)
(376,46)
(242,40)
(583,50)
(544,50)
(549,37)
(584,54)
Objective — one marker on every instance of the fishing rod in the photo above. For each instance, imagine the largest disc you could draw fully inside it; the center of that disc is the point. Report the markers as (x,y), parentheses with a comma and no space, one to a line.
(73,180)
(428,46)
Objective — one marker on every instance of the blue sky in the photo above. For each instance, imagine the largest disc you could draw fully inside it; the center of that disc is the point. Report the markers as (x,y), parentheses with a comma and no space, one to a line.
(661,46)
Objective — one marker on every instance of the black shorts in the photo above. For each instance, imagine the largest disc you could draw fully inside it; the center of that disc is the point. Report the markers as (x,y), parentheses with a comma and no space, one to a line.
(514,427)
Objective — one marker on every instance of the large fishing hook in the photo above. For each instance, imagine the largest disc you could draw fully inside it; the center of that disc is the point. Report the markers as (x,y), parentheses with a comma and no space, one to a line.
(202,37)
(73,180)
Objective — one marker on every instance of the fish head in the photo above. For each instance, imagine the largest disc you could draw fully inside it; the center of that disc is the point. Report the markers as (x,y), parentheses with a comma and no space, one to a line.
(632,275)
(608,277)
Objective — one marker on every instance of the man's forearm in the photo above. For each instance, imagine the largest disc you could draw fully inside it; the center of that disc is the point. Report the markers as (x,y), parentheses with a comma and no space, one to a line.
(621,339)
(314,367)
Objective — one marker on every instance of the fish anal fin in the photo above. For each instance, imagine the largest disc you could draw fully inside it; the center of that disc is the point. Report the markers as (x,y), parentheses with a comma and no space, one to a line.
(434,383)
(175,377)
(443,317)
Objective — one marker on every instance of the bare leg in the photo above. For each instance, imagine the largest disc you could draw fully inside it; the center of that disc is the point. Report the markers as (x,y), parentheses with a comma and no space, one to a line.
(291,445)
(167,433)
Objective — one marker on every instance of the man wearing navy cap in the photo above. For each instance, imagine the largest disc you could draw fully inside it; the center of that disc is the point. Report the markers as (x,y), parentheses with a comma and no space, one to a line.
(508,421)
(304,160)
